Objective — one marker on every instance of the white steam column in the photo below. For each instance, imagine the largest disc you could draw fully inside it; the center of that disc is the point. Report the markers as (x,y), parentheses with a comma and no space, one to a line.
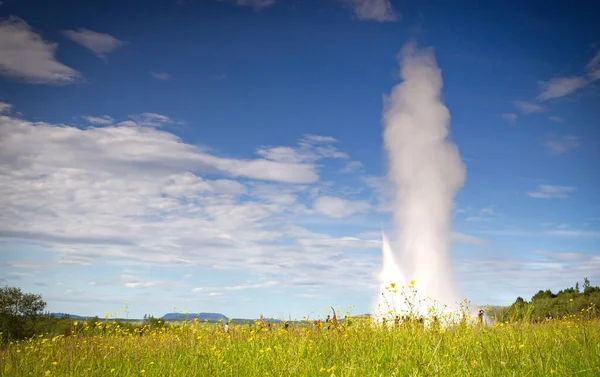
(426,171)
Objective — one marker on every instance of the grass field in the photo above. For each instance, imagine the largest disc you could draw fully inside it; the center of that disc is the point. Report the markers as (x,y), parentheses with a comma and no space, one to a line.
(560,347)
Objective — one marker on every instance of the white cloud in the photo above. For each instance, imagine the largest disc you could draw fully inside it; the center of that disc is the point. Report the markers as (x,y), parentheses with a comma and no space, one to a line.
(556,119)
(104,120)
(164,76)
(5,108)
(372,10)
(338,207)
(528,107)
(25,55)
(132,194)
(561,86)
(99,43)
(286,154)
(511,117)
(551,191)
(561,144)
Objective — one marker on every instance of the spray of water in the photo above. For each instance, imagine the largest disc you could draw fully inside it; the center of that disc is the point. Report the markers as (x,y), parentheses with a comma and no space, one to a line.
(426,171)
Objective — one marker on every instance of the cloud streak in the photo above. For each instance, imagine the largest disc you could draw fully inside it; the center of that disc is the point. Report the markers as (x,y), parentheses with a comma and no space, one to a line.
(563,86)
(100,44)
(551,192)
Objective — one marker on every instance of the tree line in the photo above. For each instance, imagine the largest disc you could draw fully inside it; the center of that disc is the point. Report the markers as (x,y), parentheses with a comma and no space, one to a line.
(546,305)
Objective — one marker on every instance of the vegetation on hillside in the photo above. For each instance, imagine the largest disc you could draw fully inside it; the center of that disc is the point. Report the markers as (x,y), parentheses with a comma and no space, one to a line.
(547,305)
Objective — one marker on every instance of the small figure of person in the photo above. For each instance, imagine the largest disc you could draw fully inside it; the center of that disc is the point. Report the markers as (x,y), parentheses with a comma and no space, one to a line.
(480,315)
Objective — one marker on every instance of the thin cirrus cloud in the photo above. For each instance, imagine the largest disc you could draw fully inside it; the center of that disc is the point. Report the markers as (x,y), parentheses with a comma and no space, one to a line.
(20,43)
(103,120)
(551,192)
(561,144)
(100,44)
(563,86)
(510,117)
(163,76)
(528,107)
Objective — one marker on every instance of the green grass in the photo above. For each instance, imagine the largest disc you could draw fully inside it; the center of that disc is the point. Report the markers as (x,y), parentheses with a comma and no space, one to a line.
(566,347)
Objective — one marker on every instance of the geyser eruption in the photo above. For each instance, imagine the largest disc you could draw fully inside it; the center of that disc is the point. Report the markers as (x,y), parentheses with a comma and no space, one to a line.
(426,171)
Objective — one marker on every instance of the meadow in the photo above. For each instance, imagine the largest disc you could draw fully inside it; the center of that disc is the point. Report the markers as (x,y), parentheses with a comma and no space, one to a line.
(569,346)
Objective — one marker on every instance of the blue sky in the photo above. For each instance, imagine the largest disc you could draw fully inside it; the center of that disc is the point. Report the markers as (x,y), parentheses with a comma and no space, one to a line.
(227,156)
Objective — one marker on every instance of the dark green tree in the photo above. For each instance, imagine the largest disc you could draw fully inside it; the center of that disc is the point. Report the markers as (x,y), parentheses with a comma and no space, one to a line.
(16,309)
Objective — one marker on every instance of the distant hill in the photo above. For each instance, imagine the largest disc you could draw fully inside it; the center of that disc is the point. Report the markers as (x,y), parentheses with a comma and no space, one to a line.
(66,315)
(211,317)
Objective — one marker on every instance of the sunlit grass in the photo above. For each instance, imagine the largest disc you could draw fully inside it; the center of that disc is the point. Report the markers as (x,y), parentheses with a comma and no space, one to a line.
(350,347)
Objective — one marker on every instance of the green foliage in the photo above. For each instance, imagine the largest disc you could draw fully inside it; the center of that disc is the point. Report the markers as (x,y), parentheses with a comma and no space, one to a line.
(545,305)
(17,311)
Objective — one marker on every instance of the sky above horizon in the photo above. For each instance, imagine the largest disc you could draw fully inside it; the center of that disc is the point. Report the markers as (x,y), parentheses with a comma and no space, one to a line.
(226,156)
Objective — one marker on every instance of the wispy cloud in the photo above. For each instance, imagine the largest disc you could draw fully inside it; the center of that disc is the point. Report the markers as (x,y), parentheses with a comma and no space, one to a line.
(563,86)
(551,192)
(104,120)
(528,107)
(510,117)
(593,67)
(352,167)
(163,76)
(561,144)
(99,43)
(556,119)
(20,44)
(310,149)
(485,214)
(152,120)
(372,10)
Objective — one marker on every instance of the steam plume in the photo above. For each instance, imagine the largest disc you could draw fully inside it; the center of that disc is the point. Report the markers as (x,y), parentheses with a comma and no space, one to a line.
(426,171)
